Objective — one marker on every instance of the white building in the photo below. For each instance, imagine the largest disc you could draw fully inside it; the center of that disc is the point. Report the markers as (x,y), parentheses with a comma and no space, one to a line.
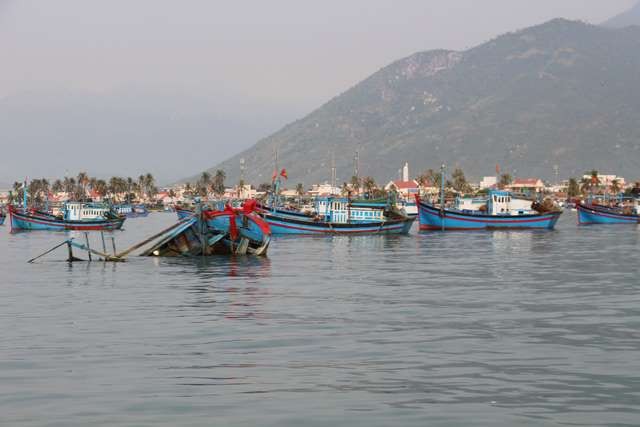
(488,182)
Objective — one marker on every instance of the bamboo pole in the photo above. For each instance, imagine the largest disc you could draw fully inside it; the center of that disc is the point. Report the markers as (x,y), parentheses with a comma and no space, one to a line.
(47,252)
(150,239)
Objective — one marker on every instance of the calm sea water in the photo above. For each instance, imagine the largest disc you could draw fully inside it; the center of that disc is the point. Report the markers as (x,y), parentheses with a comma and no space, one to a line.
(440,329)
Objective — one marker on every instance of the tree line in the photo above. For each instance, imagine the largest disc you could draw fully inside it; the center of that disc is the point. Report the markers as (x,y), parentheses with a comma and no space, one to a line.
(80,187)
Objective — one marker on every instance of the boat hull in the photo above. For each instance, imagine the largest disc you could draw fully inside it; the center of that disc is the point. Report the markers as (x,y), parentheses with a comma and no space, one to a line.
(288,225)
(432,218)
(600,215)
(27,221)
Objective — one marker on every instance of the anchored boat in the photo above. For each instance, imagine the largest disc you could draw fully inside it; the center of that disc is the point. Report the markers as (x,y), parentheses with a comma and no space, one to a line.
(590,213)
(132,211)
(338,216)
(76,216)
(500,211)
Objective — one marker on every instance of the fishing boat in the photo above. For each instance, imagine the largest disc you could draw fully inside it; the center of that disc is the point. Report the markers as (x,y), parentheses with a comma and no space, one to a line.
(591,213)
(498,213)
(207,232)
(132,211)
(76,216)
(2,216)
(333,215)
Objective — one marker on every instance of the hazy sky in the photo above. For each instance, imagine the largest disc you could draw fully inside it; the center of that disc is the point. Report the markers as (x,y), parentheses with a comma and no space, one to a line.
(265,61)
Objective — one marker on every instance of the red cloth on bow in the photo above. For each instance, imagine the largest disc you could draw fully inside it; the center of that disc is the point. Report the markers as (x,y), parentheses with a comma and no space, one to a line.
(247,210)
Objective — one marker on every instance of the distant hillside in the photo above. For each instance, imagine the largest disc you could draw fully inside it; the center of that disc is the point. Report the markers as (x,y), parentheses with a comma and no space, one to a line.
(625,19)
(563,93)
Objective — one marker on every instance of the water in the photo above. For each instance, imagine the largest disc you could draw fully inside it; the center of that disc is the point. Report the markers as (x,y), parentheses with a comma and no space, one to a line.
(481,329)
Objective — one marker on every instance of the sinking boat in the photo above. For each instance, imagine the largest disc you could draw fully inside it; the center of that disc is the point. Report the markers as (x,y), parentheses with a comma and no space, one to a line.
(208,232)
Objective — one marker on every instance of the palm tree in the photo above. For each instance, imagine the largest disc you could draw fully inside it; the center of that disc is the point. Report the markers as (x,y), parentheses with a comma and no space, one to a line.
(57,186)
(355,184)
(218,183)
(585,185)
(505,180)
(369,185)
(83,180)
(150,185)
(300,192)
(18,191)
(615,186)
(345,189)
(573,189)
(204,183)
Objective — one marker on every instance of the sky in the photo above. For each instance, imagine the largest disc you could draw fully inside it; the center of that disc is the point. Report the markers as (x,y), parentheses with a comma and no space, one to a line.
(122,87)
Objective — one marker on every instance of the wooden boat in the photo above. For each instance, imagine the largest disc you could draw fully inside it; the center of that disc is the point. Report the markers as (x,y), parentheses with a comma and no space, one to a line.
(132,211)
(589,213)
(230,231)
(496,215)
(337,216)
(77,216)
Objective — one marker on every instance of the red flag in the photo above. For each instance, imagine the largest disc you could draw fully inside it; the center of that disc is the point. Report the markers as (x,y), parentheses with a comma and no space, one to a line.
(274,176)
(497,169)
(283,173)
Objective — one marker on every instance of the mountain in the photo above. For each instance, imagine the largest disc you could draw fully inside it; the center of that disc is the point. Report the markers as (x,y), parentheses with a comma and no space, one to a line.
(625,19)
(562,93)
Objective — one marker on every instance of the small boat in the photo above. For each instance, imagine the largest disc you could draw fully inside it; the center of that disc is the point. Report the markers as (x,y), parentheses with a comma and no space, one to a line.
(132,211)
(76,216)
(2,217)
(496,214)
(208,232)
(338,216)
(590,213)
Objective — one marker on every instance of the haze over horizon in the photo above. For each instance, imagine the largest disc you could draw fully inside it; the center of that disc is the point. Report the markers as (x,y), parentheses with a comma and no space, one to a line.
(122,88)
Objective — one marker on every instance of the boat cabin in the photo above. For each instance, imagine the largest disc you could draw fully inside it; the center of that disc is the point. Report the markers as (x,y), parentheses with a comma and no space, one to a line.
(338,210)
(78,211)
(497,202)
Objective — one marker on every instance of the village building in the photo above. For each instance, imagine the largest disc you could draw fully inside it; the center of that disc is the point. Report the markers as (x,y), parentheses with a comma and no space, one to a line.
(488,182)
(527,185)
(407,189)
(607,180)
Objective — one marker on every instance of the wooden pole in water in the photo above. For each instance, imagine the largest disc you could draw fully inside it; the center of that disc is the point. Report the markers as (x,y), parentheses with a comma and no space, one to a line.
(49,251)
(86,239)
(104,245)
(150,239)
(113,243)
(70,249)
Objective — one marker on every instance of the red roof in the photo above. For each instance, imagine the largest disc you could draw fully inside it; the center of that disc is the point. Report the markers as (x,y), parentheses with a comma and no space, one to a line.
(528,182)
(404,185)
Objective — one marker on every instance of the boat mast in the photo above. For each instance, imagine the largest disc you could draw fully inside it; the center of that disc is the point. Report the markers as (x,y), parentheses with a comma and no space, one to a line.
(442,168)
(24,195)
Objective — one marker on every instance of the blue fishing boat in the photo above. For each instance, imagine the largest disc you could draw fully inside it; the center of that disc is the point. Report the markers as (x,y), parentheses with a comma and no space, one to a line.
(500,210)
(337,216)
(433,217)
(76,216)
(590,213)
(497,213)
